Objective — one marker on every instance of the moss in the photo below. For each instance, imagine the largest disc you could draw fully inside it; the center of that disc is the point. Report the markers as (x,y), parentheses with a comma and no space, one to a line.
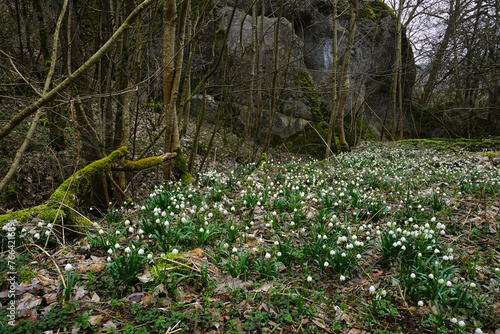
(69,192)
(164,264)
(181,167)
(491,155)
(26,275)
(375,10)
(304,81)
(141,164)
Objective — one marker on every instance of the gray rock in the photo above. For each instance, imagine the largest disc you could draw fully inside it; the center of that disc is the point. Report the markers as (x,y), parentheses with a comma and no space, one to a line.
(303,83)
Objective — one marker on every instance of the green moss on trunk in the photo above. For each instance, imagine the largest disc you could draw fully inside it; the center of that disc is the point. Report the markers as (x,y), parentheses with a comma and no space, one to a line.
(181,168)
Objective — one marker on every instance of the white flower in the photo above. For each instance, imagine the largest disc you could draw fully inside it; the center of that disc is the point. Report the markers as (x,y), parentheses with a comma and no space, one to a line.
(309,278)
(449,284)
(127,222)
(68,267)
(473,285)
(326,264)
(478,331)
(150,256)
(175,251)
(278,254)
(420,303)
(108,259)
(37,236)
(127,250)
(234,250)
(461,323)
(440,281)
(383,293)
(358,256)
(372,289)
(431,276)
(342,278)
(141,251)
(131,229)
(454,320)
(268,256)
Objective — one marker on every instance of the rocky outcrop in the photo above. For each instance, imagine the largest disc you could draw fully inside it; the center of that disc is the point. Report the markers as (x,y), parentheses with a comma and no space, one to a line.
(302,87)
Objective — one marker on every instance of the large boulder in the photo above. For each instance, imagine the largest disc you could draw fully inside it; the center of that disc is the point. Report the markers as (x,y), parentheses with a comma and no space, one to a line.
(302,87)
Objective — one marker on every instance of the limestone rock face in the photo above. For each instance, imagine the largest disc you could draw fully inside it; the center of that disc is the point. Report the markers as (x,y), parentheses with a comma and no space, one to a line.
(300,92)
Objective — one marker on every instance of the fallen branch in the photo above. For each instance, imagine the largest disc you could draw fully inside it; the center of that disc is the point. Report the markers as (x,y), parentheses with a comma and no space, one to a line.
(78,188)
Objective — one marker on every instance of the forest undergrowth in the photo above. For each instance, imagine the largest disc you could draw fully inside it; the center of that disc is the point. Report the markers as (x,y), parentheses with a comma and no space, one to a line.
(392,238)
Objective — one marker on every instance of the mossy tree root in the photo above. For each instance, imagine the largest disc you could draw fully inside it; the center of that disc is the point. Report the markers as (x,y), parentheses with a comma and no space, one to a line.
(78,188)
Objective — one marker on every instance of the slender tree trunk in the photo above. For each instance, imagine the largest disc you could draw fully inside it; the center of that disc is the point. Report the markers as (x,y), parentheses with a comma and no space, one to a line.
(272,108)
(344,88)
(333,111)
(396,70)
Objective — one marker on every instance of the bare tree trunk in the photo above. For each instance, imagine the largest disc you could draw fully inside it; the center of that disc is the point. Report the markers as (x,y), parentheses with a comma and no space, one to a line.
(272,108)
(396,71)
(171,81)
(333,111)
(344,83)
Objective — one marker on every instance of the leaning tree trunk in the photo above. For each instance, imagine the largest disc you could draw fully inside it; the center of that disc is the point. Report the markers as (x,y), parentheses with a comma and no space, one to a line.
(59,209)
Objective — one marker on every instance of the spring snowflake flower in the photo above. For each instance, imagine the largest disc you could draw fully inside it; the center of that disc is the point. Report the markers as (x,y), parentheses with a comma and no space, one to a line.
(449,284)
(234,250)
(372,289)
(37,236)
(68,267)
(141,251)
(440,281)
(175,251)
(478,331)
(420,303)
(326,264)
(309,278)
(127,250)
(268,256)
(473,285)
(461,323)
(278,254)
(150,256)
(454,320)
(342,278)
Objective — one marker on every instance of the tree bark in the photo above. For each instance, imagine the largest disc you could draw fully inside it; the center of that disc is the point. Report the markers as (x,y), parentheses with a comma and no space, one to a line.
(344,82)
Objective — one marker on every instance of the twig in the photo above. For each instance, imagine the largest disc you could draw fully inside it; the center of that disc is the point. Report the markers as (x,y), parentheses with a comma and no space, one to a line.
(54,261)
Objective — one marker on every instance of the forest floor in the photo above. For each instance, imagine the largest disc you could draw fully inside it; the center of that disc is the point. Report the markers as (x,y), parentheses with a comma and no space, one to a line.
(392,238)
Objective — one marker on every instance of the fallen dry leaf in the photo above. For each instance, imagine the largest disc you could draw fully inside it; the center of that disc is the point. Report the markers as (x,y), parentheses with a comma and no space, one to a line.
(321,325)
(97,319)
